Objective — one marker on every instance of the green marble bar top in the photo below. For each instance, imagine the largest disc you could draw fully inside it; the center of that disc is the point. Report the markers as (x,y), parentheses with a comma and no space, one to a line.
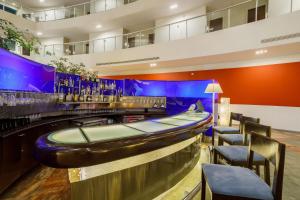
(112,132)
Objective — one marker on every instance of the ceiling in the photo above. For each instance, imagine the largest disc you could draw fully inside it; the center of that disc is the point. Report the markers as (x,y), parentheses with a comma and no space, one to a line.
(196,63)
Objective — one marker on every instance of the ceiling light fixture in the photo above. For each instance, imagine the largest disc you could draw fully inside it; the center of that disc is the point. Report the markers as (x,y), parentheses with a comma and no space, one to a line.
(99,26)
(174,6)
(153,64)
(262,51)
(39,33)
(42,1)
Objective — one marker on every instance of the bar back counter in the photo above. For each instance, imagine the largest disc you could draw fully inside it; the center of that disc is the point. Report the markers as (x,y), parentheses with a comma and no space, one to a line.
(139,160)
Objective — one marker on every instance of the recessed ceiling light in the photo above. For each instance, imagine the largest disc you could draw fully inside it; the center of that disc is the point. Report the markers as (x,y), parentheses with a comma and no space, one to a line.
(14,4)
(174,6)
(39,33)
(153,64)
(262,51)
(99,26)
(42,1)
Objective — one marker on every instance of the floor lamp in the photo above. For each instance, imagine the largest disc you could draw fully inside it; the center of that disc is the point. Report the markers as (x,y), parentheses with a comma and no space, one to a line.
(214,88)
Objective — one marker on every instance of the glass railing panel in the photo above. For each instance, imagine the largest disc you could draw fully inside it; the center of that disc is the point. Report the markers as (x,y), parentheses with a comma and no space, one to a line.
(80,48)
(132,40)
(98,6)
(87,8)
(58,50)
(111,4)
(119,42)
(217,20)
(60,13)
(98,46)
(110,44)
(295,5)
(79,10)
(162,34)
(196,26)
(243,14)
(178,30)
(49,50)
(147,37)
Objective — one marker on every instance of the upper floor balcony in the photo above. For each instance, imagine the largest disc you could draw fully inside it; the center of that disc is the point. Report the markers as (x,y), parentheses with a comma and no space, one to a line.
(65,12)
(169,30)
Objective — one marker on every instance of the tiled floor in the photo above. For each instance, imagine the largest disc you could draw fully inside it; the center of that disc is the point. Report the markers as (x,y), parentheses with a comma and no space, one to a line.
(52,184)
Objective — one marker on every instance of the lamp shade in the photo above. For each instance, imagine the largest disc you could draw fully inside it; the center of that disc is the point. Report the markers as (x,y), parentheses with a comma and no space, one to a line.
(213,88)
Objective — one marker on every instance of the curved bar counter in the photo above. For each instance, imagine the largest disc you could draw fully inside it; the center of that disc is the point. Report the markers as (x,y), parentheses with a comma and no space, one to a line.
(140,160)
(82,147)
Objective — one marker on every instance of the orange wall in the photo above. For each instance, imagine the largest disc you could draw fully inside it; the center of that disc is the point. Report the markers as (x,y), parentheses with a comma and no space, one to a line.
(277,84)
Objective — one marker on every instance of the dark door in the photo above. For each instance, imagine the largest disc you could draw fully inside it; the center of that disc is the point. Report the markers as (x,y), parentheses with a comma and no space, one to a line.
(216,24)
(151,38)
(131,42)
(261,13)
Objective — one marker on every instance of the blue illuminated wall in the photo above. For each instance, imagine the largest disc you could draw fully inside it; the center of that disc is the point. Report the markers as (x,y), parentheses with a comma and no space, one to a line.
(20,74)
(180,94)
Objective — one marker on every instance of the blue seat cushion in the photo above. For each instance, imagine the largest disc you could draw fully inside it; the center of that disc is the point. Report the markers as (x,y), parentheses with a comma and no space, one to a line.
(235,182)
(233,139)
(226,129)
(238,155)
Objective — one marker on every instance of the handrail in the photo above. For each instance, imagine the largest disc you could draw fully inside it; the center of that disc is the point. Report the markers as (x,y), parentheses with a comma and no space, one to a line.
(156,27)
(89,3)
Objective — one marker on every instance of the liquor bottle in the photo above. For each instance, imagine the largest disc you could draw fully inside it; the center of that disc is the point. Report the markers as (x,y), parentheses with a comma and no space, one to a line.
(75,96)
(69,96)
(61,97)
(82,95)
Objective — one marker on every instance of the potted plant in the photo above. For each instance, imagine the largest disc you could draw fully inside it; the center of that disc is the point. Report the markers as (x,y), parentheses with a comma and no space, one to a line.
(12,36)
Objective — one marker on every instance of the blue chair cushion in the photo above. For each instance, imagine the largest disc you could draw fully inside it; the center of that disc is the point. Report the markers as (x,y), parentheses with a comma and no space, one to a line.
(235,182)
(233,139)
(226,129)
(238,155)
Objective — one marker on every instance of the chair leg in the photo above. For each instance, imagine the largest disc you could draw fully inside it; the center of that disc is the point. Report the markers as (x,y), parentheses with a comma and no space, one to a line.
(257,169)
(220,142)
(215,155)
(267,173)
(203,190)
(213,138)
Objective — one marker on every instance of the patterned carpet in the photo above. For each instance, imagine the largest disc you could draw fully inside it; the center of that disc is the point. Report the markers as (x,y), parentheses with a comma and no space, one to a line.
(45,183)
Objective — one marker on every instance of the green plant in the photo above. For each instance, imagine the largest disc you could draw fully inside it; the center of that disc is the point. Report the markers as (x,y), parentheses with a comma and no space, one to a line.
(12,34)
(63,65)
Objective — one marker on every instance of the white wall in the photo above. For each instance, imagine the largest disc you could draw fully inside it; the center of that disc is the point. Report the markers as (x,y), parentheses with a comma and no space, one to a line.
(106,41)
(278,117)
(178,30)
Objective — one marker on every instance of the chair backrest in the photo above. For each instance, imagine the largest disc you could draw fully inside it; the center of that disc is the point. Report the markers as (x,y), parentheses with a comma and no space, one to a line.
(250,126)
(274,152)
(235,117)
(245,119)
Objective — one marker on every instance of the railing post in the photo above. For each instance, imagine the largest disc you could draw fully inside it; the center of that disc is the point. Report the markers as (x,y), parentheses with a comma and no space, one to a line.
(74,12)
(169,32)
(186,29)
(54,14)
(256,9)
(84,9)
(115,42)
(229,18)
(292,6)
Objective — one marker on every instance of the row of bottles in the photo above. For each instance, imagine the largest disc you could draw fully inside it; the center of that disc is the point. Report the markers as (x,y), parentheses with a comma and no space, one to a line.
(101,84)
(89,94)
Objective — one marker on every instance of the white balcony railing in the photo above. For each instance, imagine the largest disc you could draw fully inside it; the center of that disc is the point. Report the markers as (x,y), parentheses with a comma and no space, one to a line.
(66,12)
(242,13)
